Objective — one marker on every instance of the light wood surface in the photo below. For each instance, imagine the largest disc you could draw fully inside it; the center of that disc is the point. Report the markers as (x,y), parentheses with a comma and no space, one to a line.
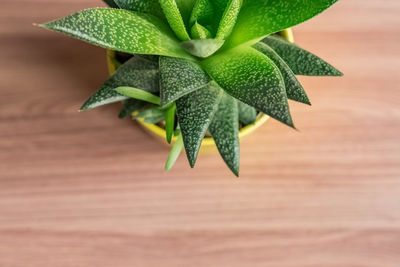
(88,190)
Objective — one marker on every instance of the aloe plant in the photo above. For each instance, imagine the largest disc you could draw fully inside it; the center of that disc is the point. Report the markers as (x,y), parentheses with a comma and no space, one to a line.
(201,67)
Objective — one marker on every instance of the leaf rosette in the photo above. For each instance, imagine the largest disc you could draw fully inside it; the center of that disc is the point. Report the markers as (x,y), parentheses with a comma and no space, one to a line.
(201,67)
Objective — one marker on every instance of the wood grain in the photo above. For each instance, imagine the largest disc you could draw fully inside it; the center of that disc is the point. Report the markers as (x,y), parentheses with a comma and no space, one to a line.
(86,189)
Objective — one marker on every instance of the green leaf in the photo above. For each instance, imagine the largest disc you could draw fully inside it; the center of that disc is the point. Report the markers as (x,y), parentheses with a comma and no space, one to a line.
(185,8)
(203,47)
(130,105)
(175,152)
(138,94)
(258,19)
(136,72)
(251,77)
(300,61)
(202,12)
(209,13)
(224,128)
(229,18)
(199,32)
(219,9)
(294,90)
(174,18)
(152,115)
(170,122)
(195,112)
(143,6)
(110,3)
(179,77)
(120,30)
(247,114)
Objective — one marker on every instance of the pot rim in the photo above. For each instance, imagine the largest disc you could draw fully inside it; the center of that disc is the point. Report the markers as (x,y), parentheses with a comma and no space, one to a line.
(207,141)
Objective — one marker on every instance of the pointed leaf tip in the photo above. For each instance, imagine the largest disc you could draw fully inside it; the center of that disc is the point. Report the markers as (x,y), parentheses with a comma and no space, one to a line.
(253,78)
(136,72)
(299,60)
(175,152)
(229,18)
(175,20)
(224,128)
(179,77)
(294,89)
(125,31)
(195,112)
(198,31)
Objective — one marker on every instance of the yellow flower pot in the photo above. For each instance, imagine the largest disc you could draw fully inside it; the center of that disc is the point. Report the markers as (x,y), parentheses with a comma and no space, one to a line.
(208,143)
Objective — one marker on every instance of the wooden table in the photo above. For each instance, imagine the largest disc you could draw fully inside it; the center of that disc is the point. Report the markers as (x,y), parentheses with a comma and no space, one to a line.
(86,189)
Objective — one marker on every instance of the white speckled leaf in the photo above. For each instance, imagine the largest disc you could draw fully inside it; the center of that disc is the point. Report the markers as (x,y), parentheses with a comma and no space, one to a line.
(185,8)
(179,77)
(144,6)
(251,77)
(198,31)
(202,12)
(224,128)
(175,19)
(229,18)
(294,90)
(300,61)
(136,72)
(203,47)
(247,114)
(120,30)
(195,112)
(258,19)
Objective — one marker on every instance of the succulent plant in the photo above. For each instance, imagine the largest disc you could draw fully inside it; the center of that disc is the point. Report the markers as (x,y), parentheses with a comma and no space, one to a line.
(201,66)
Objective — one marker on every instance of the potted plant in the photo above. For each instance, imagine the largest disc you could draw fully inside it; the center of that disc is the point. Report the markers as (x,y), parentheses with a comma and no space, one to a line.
(200,71)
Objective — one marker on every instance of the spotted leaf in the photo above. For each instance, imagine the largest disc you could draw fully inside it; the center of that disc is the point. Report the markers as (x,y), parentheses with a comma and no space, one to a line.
(251,77)
(180,77)
(195,112)
(203,11)
(199,32)
(300,61)
(175,20)
(258,19)
(229,18)
(120,30)
(294,90)
(185,9)
(136,72)
(224,128)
